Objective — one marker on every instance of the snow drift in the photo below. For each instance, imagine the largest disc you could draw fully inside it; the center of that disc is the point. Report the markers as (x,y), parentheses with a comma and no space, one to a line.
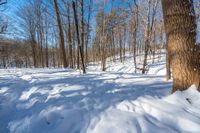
(179,112)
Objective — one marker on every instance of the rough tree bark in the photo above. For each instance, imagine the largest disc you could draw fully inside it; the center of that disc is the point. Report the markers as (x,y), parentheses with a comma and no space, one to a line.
(180,27)
(168,72)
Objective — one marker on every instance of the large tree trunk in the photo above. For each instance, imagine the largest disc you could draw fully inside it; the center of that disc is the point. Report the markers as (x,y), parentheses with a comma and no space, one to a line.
(180,27)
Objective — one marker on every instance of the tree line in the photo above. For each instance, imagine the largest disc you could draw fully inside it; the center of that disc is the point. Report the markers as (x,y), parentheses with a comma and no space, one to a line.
(65,33)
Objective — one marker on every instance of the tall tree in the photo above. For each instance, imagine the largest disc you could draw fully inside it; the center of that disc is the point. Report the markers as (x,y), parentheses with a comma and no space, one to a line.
(146,39)
(80,48)
(180,27)
(27,15)
(82,26)
(61,34)
(103,40)
(135,33)
(69,36)
(88,31)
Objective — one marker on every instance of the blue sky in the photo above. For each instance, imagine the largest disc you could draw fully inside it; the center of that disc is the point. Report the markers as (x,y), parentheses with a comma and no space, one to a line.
(8,15)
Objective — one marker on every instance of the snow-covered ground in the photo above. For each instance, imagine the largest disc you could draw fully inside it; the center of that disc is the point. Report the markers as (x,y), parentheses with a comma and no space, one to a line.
(116,101)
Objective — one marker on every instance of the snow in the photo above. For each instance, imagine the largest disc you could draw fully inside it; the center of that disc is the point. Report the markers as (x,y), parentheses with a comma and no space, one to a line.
(148,114)
(115,101)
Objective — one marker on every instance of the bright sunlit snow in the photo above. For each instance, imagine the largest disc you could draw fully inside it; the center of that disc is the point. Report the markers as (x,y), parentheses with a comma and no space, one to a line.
(116,101)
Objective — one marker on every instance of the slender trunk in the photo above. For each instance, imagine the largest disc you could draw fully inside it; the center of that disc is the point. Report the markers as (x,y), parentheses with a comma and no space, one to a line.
(88,31)
(154,46)
(33,51)
(83,29)
(46,53)
(41,46)
(146,41)
(124,47)
(120,45)
(135,35)
(53,52)
(62,43)
(153,25)
(69,37)
(78,39)
(103,41)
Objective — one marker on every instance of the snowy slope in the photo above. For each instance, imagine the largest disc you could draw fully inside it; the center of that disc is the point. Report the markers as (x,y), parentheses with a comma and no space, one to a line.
(116,101)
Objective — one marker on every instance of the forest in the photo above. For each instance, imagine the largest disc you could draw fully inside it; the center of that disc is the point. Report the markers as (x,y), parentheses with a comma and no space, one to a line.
(47,32)
(99,66)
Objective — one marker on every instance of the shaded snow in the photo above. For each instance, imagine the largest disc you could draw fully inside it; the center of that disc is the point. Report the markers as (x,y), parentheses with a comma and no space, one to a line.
(116,101)
(170,114)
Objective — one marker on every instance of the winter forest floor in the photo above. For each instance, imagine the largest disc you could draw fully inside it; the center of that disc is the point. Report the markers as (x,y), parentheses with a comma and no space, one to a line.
(116,101)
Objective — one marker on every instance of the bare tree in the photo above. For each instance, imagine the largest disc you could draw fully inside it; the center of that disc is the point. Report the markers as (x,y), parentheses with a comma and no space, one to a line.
(80,48)
(69,36)
(61,34)
(146,39)
(88,30)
